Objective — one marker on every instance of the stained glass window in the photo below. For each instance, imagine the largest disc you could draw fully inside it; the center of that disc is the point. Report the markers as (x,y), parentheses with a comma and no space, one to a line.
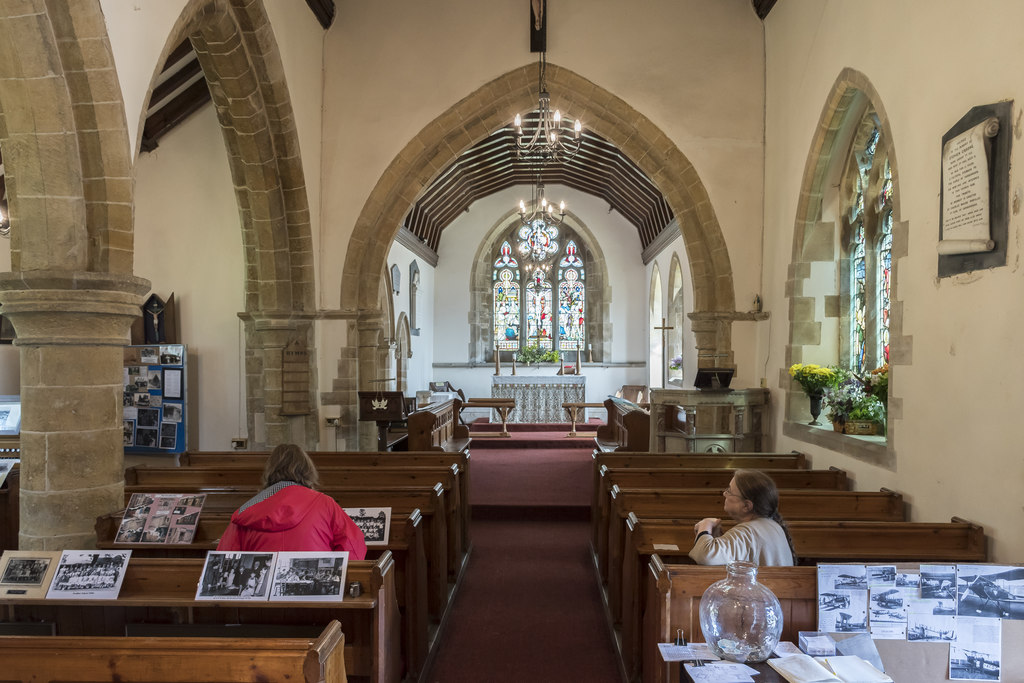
(858,300)
(538,240)
(506,310)
(884,263)
(864,158)
(506,259)
(538,310)
(570,311)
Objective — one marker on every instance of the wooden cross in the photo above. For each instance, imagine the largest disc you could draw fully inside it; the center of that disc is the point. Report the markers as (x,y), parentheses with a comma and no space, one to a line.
(664,350)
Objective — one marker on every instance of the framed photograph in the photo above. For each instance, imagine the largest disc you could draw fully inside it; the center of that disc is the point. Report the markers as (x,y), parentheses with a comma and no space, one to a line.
(172,412)
(155,380)
(89,575)
(236,576)
(171,354)
(148,417)
(168,435)
(26,574)
(10,415)
(375,523)
(146,437)
(172,383)
(310,576)
(129,432)
(149,355)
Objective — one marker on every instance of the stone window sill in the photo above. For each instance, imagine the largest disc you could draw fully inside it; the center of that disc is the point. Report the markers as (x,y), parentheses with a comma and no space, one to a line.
(871,449)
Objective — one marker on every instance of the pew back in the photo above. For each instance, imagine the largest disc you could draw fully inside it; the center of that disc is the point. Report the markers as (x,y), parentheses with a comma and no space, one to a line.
(436,428)
(627,427)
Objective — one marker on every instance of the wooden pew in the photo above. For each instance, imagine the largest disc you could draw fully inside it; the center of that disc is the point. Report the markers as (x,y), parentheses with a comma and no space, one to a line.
(711,478)
(436,428)
(175,660)
(622,460)
(162,591)
(10,510)
(405,546)
(673,601)
(430,502)
(225,459)
(332,480)
(627,427)
(814,541)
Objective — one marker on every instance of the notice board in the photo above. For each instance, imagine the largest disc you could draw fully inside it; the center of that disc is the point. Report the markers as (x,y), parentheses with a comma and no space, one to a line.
(155,391)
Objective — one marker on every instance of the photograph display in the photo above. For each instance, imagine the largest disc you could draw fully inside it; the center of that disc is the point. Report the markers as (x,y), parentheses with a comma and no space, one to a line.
(310,576)
(6,465)
(375,523)
(976,654)
(10,416)
(236,576)
(89,574)
(842,598)
(154,398)
(160,518)
(26,574)
(990,591)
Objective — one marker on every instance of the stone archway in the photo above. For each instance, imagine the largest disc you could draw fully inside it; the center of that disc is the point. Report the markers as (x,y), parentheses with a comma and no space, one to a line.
(71,295)
(494,105)
(814,238)
(242,65)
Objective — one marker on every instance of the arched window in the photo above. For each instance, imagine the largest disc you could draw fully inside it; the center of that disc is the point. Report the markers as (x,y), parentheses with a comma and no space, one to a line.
(506,300)
(868,247)
(525,299)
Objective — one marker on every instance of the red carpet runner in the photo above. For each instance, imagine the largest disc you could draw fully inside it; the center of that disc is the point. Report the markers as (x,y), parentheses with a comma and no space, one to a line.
(529,608)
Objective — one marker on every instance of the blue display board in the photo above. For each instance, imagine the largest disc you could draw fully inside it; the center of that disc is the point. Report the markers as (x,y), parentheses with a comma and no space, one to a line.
(154,398)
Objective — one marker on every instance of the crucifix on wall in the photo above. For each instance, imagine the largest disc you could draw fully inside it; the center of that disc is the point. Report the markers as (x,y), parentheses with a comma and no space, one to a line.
(664,350)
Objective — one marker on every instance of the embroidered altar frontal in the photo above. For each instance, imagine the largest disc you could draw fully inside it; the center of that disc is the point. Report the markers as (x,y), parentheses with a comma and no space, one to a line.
(539,399)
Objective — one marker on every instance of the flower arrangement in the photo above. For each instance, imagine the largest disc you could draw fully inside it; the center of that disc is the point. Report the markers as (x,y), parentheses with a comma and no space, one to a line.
(877,383)
(675,363)
(535,354)
(849,400)
(813,378)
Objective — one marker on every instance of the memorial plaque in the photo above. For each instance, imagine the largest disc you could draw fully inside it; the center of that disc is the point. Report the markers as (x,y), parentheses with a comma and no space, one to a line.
(295,379)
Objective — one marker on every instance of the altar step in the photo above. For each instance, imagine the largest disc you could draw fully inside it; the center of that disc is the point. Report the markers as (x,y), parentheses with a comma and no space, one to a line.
(531,436)
(483,425)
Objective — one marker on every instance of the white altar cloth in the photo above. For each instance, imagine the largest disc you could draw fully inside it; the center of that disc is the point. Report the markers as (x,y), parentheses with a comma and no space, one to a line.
(538,398)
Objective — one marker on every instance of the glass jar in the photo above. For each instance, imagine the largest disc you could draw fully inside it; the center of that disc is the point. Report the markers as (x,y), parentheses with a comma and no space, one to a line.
(741,619)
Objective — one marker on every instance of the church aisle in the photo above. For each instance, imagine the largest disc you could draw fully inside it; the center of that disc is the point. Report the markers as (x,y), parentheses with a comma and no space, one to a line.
(529,609)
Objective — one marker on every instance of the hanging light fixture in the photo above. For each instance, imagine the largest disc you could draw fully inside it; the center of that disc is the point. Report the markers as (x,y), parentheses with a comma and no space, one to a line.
(538,231)
(553,139)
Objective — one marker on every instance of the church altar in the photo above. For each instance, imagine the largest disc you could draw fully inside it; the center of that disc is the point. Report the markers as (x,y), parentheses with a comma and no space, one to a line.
(539,399)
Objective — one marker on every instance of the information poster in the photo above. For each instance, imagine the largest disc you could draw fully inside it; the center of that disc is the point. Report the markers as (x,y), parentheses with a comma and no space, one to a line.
(154,398)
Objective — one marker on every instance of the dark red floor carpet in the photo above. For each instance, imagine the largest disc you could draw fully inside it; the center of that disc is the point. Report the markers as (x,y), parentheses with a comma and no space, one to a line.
(528,609)
(531,476)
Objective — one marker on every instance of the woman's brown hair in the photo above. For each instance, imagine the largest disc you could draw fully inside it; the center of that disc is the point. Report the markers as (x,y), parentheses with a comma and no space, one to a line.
(758,488)
(288,462)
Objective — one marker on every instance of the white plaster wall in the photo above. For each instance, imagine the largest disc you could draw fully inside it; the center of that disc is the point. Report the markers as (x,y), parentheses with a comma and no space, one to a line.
(957,451)
(188,241)
(664,263)
(693,67)
(420,366)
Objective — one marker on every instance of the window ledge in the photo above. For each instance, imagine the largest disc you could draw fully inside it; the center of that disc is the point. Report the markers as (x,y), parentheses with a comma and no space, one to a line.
(870,449)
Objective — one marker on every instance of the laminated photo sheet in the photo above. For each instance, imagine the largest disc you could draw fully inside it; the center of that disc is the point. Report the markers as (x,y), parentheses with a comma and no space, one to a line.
(236,576)
(927,622)
(990,590)
(161,518)
(89,574)
(976,655)
(310,576)
(26,574)
(888,611)
(842,598)
(375,523)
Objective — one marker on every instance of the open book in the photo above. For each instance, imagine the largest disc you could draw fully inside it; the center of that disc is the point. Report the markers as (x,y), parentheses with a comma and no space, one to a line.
(845,669)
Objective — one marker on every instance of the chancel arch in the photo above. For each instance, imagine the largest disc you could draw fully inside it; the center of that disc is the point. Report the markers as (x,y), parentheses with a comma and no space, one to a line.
(241,63)
(494,105)
(848,219)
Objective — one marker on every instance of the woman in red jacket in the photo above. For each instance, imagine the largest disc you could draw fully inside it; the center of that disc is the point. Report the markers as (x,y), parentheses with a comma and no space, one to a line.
(289,515)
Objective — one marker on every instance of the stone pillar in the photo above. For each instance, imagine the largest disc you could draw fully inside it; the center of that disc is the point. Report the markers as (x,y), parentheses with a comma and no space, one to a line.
(370,331)
(265,338)
(713,336)
(71,332)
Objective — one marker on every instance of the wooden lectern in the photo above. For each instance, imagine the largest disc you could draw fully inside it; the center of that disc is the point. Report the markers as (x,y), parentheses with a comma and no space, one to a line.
(382,407)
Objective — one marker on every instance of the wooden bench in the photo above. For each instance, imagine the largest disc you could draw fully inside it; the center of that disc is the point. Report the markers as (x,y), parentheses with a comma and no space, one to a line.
(627,427)
(430,502)
(175,660)
(503,406)
(333,481)
(574,408)
(435,427)
(710,478)
(814,541)
(673,601)
(352,459)
(405,544)
(623,460)
(162,591)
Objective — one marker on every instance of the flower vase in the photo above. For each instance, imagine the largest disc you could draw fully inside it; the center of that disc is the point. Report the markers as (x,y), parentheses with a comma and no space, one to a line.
(741,619)
(815,397)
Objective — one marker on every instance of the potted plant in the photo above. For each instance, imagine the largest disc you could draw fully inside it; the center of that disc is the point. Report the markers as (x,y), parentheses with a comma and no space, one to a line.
(535,354)
(813,379)
(853,409)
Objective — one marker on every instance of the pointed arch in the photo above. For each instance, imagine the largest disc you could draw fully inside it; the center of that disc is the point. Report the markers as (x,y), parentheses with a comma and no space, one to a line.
(815,313)
(656,311)
(403,352)
(676,317)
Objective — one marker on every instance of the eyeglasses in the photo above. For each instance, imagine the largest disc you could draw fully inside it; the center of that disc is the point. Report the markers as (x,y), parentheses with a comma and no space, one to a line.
(727,492)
